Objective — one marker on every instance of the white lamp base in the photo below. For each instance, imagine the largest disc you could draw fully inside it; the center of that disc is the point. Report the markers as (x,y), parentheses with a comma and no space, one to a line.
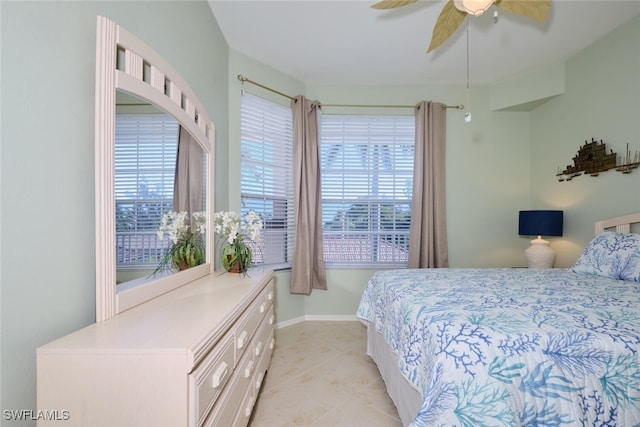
(539,254)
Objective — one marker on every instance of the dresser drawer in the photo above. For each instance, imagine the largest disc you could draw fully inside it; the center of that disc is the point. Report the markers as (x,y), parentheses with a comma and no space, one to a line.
(207,381)
(226,408)
(263,363)
(261,341)
(246,407)
(249,322)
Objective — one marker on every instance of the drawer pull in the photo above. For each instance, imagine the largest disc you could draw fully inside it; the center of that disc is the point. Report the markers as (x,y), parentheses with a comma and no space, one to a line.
(272,343)
(247,410)
(271,319)
(258,348)
(242,339)
(249,369)
(259,381)
(270,296)
(219,375)
(263,307)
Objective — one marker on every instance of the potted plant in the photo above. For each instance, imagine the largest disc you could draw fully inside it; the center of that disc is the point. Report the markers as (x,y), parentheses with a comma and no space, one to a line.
(233,237)
(187,247)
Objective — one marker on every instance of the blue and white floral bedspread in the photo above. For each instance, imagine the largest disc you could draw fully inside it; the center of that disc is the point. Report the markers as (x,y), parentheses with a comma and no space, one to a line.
(512,347)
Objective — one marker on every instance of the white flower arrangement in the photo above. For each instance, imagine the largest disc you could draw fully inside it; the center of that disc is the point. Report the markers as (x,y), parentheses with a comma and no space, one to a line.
(176,225)
(232,233)
(187,239)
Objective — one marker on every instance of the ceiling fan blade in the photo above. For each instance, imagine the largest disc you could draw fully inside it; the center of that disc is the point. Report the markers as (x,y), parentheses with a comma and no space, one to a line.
(448,22)
(391,4)
(534,9)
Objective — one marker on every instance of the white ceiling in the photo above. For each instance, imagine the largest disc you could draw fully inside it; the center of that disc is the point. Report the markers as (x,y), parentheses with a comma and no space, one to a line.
(347,42)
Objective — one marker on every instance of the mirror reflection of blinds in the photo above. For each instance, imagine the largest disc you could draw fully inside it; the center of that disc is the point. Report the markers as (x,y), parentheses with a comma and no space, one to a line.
(267,176)
(367,181)
(145,162)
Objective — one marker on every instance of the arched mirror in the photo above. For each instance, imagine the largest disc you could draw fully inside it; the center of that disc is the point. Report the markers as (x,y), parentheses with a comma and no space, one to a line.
(154,149)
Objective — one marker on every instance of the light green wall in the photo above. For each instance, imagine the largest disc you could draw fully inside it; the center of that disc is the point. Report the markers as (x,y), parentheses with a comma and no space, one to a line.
(47,172)
(529,90)
(601,101)
(487,176)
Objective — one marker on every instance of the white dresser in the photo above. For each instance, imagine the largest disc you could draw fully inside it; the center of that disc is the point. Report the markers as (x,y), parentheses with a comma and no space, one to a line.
(195,356)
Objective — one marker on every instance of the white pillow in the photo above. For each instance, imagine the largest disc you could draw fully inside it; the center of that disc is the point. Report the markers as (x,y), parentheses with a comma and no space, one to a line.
(611,254)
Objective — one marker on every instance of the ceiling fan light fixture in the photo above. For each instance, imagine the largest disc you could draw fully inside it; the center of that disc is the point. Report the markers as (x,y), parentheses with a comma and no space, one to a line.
(473,7)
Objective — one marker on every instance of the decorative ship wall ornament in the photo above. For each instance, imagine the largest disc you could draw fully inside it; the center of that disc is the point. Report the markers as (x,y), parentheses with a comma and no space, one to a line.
(592,158)
(627,163)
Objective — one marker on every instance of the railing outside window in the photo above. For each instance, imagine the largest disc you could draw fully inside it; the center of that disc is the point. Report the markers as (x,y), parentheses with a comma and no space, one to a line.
(267,177)
(145,162)
(367,175)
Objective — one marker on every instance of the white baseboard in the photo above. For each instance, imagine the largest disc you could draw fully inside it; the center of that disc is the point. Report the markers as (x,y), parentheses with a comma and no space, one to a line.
(317,318)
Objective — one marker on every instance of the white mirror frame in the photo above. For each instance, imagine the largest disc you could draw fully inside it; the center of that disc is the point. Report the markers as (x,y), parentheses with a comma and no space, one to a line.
(178,100)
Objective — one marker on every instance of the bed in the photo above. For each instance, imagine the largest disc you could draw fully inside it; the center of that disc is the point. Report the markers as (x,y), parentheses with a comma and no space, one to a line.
(513,346)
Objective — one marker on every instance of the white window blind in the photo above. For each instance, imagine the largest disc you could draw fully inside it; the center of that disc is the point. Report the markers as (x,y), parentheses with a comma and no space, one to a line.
(367,176)
(267,176)
(145,162)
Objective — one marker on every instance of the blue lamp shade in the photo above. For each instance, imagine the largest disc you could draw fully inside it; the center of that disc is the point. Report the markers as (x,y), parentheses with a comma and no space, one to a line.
(540,223)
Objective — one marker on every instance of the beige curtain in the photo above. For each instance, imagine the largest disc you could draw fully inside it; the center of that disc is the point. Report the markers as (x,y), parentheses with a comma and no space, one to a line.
(189,181)
(307,269)
(428,233)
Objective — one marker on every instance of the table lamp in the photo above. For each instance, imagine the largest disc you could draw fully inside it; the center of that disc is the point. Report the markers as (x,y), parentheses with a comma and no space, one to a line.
(540,223)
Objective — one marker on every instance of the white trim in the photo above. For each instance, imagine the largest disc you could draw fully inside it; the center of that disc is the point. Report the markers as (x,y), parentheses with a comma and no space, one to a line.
(105,111)
(317,318)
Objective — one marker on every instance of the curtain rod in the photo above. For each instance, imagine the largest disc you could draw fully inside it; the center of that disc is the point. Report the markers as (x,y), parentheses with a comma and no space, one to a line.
(243,79)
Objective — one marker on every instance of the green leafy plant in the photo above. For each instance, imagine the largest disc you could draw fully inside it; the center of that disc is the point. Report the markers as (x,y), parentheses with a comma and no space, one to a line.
(187,240)
(233,235)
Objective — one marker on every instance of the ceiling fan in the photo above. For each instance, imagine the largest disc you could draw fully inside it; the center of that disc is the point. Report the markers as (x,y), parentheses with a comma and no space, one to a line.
(455,11)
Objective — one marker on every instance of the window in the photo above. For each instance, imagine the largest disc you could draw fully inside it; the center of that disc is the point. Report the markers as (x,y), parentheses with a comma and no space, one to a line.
(267,176)
(145,162)
(367,176)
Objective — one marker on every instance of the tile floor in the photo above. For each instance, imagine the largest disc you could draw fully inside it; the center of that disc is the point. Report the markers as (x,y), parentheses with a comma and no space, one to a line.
(321,376)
